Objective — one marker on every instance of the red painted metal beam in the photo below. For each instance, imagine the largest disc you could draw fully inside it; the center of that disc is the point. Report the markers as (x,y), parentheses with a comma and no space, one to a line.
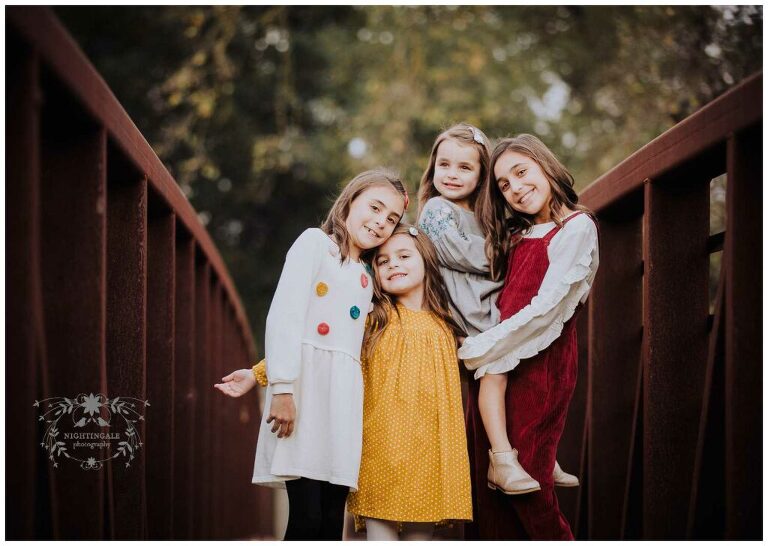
(184,390)
(571,453)
(615,355)
(225,421)
(63,56)
(214,372)
(675,307)
(126,334)
(706,519)
(201,388)
(632,514)
(73,216)
(99,311)
(709,127)
(743,334)
(161,379)
(25,337)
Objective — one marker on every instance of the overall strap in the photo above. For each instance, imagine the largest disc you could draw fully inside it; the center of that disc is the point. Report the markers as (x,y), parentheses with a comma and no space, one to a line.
(552,232)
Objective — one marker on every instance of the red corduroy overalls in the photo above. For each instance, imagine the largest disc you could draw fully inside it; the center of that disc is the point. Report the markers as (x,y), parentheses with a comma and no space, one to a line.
(538,393)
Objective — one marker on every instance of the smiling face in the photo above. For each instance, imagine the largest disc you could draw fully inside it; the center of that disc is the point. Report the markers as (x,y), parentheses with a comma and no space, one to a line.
(524,185)
(400,267)
(372,217)
(457,171)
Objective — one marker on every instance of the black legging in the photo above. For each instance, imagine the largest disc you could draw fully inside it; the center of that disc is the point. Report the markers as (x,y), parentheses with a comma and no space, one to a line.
(315,510)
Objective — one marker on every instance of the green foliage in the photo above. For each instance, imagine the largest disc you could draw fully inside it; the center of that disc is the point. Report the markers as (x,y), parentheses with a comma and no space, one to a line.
(253,109)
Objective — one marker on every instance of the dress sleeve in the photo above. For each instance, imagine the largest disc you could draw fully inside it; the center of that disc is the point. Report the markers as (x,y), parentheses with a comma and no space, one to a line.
(285,320)
(260,373)
(573,255)
(456,249)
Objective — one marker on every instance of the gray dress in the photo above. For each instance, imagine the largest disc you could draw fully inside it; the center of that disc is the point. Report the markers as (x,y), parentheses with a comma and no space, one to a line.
(461,248)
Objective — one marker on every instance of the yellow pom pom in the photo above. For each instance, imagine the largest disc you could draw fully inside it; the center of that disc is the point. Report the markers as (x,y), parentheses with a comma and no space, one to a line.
(321,289)
(260,373)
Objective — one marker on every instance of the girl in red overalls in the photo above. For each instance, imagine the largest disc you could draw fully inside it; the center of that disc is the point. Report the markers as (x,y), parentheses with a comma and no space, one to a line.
(545,247)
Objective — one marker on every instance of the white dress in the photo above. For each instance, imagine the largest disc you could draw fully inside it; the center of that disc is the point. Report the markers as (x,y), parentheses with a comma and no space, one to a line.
(314,334)
(573,260)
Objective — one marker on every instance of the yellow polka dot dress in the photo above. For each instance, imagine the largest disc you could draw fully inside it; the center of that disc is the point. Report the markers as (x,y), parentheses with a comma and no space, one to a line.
(414,465)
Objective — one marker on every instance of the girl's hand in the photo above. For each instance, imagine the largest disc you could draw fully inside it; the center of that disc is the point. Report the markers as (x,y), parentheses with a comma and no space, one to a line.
(282,411)
(237,383)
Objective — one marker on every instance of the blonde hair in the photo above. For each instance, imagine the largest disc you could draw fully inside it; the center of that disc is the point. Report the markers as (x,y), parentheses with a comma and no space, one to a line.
(503,225)
(335,223)
(466,134)
(435,295)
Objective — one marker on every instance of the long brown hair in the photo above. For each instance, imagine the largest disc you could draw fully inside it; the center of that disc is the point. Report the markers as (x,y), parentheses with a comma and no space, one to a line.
(334,224)
(503,225)
(435,295)
(466,134)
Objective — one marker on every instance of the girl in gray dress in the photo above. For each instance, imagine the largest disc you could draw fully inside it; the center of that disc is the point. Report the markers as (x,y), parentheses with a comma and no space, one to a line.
(457,171)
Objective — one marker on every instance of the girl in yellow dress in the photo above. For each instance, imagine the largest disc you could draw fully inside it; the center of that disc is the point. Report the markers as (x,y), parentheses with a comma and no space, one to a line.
(414,469)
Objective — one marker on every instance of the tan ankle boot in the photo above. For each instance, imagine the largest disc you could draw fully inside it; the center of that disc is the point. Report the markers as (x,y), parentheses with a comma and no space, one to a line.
(506,474)
(562,478)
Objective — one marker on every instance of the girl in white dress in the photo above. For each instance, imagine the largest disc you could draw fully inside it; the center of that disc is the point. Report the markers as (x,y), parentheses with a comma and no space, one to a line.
(310,440)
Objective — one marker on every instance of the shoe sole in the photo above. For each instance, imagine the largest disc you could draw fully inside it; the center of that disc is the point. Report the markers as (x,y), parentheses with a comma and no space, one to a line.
(567,484)
(519,492)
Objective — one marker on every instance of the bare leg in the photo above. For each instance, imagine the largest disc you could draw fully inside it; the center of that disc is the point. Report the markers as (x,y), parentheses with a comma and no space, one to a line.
(493,410)
(418,531)
(380,529)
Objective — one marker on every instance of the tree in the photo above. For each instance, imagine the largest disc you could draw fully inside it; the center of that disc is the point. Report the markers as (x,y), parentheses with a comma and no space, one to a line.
(262,113)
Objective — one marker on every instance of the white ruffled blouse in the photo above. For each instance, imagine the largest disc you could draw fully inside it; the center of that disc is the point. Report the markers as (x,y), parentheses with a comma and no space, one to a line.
(573,261)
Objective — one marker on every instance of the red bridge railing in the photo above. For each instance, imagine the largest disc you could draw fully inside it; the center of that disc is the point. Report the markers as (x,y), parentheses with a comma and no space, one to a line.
(114,287)
(666,424)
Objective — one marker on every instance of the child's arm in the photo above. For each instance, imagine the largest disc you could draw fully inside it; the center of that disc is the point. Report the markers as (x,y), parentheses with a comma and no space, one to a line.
(285,321)
(260,373)
(456,249)
(285,326)
(573,262)
(237,383)
(282,414)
